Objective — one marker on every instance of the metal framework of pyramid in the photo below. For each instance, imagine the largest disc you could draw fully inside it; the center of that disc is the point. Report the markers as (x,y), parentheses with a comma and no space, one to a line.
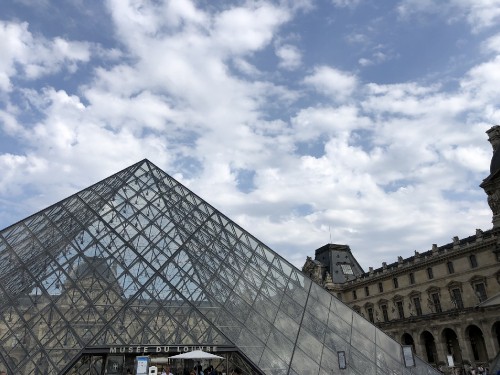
(138,258)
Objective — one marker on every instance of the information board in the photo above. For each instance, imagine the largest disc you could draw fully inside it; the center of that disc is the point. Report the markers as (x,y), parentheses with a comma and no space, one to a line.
(142,365)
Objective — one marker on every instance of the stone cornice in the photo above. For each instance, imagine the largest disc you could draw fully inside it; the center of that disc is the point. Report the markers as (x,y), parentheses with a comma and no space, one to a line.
(426,259)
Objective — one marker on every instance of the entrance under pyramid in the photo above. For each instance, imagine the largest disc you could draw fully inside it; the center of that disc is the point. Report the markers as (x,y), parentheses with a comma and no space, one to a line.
(137,265)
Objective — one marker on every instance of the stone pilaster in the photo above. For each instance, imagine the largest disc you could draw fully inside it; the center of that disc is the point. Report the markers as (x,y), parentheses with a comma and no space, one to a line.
(441,348)
(464,344)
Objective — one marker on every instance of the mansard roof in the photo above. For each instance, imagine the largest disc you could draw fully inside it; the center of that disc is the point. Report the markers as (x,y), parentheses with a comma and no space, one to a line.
(339,261)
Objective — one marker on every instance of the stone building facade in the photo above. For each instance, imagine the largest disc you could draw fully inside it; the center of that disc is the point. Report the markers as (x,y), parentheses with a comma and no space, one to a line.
(444,302)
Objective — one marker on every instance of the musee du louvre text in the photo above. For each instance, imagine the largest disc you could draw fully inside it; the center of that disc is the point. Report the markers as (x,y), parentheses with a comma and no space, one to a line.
(160,349)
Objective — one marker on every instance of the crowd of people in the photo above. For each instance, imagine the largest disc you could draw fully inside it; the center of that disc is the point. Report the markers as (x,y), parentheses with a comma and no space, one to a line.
(478,370)
(210,370)
(166,371)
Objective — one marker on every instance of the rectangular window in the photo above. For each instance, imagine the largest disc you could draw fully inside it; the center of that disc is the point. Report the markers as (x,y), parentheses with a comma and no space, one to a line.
(451,269)
(480,291)
(380,287)
(401,310)
(473,261)
(412,278)
(456,298)
(370,314)
(395,282)
(430,274)
(418,306)
(436,302)
(367,291)
(354,295)
(385,314)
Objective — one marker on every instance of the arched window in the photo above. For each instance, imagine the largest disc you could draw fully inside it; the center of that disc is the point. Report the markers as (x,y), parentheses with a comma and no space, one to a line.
(427,340)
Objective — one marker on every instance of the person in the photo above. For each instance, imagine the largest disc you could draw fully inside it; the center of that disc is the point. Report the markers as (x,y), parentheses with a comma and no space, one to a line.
(163,372)
(199,369)
(236,371)
(2,372)
(168,371)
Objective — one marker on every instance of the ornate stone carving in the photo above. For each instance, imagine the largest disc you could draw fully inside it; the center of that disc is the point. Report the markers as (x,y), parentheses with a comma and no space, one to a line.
(494,202)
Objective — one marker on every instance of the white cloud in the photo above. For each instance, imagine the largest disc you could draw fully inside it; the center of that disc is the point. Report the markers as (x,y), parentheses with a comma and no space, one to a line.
(376,58)
(172,90)
(492,44)
(245,67)
(482,82)
(290,56)
(311,123)
(365,62)
(33,56)
(345,3)
(332,82)
(480,14)
(242,30)
(357,38)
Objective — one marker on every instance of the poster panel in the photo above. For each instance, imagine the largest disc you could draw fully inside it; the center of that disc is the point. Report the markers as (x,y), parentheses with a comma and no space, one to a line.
(408,356)
(342,361)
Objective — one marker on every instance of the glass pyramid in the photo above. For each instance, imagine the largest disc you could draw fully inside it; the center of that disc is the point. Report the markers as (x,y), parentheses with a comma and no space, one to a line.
(137,261)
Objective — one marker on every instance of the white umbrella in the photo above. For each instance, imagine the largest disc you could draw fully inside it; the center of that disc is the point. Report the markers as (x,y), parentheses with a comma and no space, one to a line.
(195,354)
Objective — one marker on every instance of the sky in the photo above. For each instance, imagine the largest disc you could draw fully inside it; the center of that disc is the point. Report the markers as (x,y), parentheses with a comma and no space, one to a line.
(306,122)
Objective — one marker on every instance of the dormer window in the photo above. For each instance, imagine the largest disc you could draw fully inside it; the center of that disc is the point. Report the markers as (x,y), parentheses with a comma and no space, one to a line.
(346,269)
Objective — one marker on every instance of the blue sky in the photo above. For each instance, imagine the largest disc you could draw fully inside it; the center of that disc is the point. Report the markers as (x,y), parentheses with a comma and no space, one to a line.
(358,121)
